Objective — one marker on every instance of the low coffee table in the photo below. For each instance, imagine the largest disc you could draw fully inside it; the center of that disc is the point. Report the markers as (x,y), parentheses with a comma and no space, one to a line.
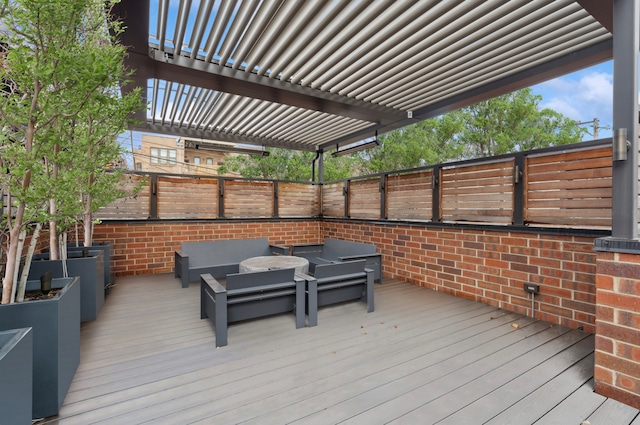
(259,264)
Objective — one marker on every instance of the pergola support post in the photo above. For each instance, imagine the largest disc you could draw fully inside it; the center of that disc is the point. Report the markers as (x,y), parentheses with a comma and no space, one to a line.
(321,167)
(625,116)
(617,368)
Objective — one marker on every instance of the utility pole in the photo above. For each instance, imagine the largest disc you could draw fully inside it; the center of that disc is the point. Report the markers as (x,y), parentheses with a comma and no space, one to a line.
(596,126)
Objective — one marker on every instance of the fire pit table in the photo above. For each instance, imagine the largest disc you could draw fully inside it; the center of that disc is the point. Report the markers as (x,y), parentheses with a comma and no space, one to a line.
(258,264)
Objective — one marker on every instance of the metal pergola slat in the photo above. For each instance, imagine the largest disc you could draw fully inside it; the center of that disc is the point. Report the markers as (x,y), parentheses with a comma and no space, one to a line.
(220,68)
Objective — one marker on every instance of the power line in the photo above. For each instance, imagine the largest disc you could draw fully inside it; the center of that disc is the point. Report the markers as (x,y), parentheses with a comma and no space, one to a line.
(596,126)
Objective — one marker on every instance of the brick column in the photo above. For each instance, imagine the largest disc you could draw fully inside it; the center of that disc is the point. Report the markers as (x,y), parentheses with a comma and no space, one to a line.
(617,364)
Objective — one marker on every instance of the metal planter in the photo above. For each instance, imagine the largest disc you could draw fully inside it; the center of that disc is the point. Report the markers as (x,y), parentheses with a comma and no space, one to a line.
(91,272)
(55,325)
(16,370)
(109,276)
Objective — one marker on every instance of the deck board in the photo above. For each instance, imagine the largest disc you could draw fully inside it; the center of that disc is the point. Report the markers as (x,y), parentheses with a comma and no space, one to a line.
(545,397)
(612,412)
(420,357)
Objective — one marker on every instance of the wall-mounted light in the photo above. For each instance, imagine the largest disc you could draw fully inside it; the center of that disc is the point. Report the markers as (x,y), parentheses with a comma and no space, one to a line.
(201,144)
(620,144)
(357,148)
(226,148)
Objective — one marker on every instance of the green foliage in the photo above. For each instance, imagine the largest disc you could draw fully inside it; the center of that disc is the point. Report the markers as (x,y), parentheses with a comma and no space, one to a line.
(512,123)
(284,164)
(61,110)
(505,124)
(427,142)
(281,164)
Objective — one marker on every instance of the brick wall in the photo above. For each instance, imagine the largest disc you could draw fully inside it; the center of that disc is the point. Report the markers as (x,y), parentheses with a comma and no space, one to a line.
(488,266)
(482,265)
(617,370)
(147,248)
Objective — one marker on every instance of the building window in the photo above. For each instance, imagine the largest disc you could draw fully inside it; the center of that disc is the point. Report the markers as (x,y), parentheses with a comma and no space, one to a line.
(196,160)
(209,161)
(163,156)
(138,166)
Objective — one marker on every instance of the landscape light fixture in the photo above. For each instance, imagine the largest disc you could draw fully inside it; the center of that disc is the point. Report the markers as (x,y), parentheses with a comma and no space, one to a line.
(372,144)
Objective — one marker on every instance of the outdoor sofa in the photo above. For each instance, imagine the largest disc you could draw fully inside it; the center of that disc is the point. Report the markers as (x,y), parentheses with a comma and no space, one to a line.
(333,283)
(250,295)
(335,250)
(219,258)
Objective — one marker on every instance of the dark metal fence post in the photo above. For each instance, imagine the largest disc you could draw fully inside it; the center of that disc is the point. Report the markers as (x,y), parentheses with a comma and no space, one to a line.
(435,194)
(153,198)
(345,192)
(383,196)
(275,199)
(518,189)
(220,197)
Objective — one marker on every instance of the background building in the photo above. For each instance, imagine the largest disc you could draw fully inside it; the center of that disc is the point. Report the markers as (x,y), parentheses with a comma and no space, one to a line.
(177,156)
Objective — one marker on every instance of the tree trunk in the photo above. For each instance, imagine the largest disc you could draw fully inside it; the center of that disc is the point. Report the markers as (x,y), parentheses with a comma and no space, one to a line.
(27,263)
(54,250)
(88,228)
(12,254)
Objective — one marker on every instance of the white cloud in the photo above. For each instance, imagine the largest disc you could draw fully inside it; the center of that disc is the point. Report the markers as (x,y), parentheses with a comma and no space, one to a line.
(582,97)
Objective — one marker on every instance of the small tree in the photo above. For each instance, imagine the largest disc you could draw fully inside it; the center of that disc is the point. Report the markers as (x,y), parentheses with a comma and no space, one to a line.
(59,68)
(95,173)
(92,179)
(427,142)
(514,122)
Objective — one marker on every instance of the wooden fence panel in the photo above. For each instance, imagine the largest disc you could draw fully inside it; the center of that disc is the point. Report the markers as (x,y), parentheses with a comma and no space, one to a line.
(478,193)
(565,188)
(134,207)
(248,199)
(187,197)
(333,200)
(364,199)
(298,200)
(569,188)
(409,196)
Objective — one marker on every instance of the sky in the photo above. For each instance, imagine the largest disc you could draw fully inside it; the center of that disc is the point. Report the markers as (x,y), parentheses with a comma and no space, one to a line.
(582,96)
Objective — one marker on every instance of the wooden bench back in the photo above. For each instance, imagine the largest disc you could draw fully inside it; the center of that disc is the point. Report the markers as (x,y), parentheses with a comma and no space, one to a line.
(335,248)
(224,251)
(238,281)
(346,268)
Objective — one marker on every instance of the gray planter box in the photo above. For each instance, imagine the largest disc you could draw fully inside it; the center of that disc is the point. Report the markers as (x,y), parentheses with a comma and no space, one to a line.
(56,341)
(109,276)
(16,372)
(91,272)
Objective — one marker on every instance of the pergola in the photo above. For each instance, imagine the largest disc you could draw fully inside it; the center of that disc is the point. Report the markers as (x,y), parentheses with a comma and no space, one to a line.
(318,76)
(323,75)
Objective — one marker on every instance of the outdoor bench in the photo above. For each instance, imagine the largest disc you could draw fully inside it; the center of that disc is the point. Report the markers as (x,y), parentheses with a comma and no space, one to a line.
(338,282)
(219,257)
(335,250)
(250,295)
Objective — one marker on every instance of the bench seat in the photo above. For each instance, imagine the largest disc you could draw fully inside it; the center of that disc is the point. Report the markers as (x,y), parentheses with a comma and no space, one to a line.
(248,296)
(335,250)
(338,282)
(219,258)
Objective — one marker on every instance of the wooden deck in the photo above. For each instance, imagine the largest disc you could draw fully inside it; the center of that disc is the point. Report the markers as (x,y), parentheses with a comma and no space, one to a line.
(422,357)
